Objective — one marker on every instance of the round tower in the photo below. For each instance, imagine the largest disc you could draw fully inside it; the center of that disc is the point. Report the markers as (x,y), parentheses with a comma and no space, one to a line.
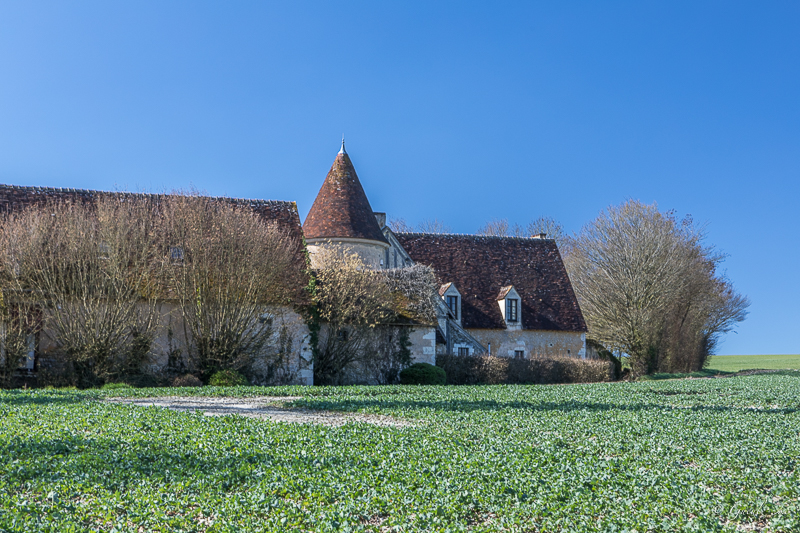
(341,216)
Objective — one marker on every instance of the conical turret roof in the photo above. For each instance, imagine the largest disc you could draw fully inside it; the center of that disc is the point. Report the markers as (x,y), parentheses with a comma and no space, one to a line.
(341,209)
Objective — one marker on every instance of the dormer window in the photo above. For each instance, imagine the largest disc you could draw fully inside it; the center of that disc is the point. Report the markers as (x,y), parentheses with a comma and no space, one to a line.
(510,304)
(452,304)
(452,299)
(512,310)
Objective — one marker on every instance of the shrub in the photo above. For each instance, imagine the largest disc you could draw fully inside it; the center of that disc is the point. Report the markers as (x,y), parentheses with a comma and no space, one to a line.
(491,370)
(423,374)
(227,378)
(144,381)
(187,380)
(112,386)
(605,354)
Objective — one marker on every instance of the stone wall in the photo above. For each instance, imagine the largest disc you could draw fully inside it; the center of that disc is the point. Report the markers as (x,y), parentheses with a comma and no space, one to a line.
(287,360)
(372,254)
(534,343)
(423,344)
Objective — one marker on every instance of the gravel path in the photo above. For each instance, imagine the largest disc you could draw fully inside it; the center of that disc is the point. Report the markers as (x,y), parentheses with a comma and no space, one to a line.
(266,407)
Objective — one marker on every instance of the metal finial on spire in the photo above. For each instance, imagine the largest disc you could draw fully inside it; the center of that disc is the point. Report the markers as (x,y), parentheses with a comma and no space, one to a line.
(342,151)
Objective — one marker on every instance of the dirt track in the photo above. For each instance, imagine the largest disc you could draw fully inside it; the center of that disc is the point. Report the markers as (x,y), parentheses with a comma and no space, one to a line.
(266,407)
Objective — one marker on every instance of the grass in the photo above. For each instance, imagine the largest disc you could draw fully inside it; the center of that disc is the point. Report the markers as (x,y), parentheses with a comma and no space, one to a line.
(736,363)
(691,455)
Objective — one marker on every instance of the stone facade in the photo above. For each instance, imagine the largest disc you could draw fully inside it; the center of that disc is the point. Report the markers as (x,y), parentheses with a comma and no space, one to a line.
(287,359)
(528,344)
(423,344)
(372,253)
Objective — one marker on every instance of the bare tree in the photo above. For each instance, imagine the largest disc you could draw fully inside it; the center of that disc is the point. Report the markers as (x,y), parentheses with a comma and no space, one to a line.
(498,227)
(399,225)
(706,307)
(547,225)
(502,228)
(351,301)
(229,269)
(647,287)
(20,318)
(20,321)
(433,225)
(414,293)
(91,270)
(366,315)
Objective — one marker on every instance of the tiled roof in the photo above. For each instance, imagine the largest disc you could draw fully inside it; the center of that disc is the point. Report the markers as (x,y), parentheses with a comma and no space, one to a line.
(16,197)
(283,214)
(504,292)
(341,208)
(481,266)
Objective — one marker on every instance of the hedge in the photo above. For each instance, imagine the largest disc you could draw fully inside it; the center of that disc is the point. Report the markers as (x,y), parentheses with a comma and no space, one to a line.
(491,370)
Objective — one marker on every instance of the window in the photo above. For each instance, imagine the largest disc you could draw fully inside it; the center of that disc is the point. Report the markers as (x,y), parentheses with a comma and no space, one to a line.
(519,354)
(176,254)
(342,335)
(512,310)
(463,351)
(104,250)
(452,303)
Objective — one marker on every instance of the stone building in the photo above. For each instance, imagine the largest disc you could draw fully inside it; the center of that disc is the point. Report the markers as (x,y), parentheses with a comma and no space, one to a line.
(506,296)
(342,217)
(510,294)
(289,325)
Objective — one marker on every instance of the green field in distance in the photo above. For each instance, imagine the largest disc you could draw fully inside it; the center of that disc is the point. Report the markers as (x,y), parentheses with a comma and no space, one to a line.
(735,363)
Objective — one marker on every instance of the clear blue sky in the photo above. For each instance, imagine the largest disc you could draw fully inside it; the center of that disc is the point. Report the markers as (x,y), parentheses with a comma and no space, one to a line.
(462,111)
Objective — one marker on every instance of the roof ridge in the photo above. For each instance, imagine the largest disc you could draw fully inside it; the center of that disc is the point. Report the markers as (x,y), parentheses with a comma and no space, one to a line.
(131,193)
(512,237)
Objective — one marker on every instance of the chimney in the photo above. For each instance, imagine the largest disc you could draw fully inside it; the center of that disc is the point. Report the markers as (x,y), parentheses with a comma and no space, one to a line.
(539,236)
(381,218)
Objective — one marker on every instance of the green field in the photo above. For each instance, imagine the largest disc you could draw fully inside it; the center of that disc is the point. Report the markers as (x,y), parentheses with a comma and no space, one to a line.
(735,363)
(688,455)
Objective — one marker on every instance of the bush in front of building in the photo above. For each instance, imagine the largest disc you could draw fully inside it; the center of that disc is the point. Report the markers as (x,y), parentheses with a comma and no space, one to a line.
(187,380)
(423,374)
(603,353)
(227,378)
(491,370)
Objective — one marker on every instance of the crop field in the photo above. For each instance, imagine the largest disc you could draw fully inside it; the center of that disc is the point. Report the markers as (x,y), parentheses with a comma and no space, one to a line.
(688,455)
(735,363)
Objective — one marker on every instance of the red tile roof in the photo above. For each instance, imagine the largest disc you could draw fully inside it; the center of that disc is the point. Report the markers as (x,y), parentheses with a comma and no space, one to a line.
(341,208)
(481,266)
